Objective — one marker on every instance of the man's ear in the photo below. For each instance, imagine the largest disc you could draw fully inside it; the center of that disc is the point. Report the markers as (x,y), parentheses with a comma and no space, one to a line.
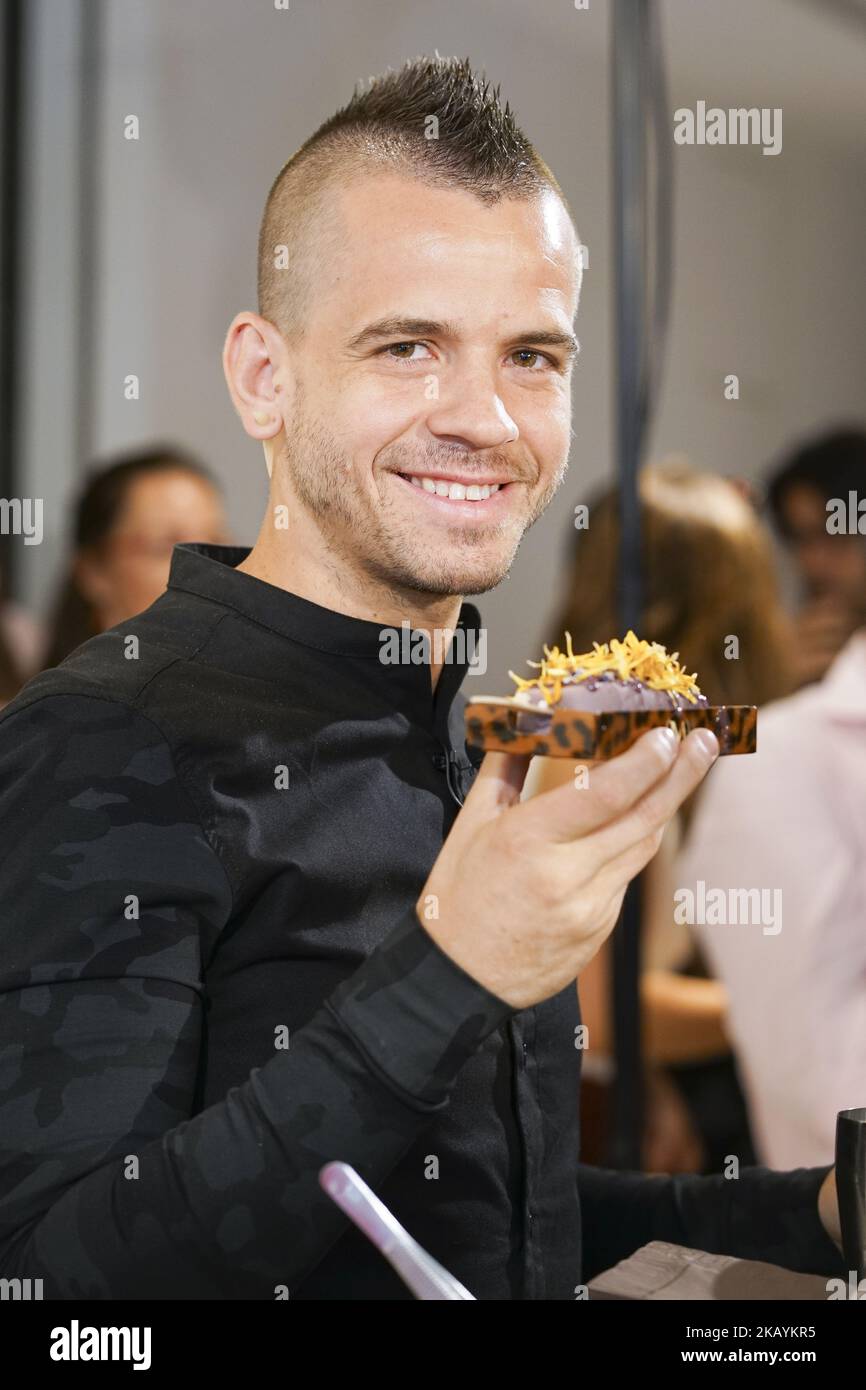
(256,367)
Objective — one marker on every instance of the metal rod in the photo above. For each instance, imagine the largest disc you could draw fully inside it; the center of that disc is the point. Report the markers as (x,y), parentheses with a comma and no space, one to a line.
(629,117)
(10,247)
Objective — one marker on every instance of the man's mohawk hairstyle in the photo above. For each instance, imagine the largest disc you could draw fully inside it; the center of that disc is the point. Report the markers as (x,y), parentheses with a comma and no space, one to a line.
(476,134)
(431,119)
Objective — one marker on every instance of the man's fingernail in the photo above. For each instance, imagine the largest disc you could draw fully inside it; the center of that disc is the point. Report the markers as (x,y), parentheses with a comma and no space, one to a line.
(708,742)
(667,741)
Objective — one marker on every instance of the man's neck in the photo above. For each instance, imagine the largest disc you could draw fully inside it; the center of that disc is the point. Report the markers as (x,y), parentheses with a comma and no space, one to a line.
(309,568)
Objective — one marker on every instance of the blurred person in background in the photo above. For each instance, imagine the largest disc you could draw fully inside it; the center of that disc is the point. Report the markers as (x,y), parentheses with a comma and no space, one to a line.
(10,677)
(21,643)
(130,516)
(831,567)
(793,824)
(708,573)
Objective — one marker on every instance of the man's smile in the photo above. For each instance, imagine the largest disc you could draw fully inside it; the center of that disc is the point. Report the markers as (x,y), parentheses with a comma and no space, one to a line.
(458,496)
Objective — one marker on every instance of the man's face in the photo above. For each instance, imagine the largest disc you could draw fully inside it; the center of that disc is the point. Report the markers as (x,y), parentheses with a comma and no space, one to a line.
(436,351)
(829,565)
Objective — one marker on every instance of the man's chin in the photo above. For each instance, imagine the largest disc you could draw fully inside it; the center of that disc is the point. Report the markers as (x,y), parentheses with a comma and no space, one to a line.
(453,578)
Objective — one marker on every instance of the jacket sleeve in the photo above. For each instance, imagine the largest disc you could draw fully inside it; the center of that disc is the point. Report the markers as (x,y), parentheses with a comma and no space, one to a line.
(112,894)
(761,1215)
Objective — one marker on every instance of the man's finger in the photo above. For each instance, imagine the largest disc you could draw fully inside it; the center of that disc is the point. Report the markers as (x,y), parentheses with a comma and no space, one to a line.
(569,812)
(697,754)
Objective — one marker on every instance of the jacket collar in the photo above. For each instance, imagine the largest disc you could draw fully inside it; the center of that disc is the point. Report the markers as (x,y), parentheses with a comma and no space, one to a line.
(210,572)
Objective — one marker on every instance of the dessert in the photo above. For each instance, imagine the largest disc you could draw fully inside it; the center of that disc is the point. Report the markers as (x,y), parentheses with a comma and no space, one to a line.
(595,704)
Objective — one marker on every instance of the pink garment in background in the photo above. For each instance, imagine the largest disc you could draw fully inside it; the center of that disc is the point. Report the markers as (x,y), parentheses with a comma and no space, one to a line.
(793,816)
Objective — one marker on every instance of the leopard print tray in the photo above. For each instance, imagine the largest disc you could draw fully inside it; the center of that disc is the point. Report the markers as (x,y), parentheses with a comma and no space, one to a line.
(491,724)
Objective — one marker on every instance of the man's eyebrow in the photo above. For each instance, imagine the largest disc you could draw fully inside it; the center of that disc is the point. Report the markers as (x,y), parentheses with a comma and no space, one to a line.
(404,329)
(545,338)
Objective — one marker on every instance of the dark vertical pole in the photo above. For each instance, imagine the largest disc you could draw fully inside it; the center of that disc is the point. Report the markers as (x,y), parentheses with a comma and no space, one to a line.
(90,118)
(629,117)
(10,200)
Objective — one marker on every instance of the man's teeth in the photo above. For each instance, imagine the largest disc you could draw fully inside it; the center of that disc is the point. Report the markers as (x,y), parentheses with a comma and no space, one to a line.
(457,492)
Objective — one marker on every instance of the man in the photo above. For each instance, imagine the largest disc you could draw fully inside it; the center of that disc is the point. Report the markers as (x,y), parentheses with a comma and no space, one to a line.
(809,494)
(227,959)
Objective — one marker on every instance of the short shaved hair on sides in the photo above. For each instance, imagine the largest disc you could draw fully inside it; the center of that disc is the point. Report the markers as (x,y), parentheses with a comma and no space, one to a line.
(474,144)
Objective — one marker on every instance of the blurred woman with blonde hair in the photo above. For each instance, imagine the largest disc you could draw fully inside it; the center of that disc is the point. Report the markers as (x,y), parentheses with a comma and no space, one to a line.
(710,594)
(708,573)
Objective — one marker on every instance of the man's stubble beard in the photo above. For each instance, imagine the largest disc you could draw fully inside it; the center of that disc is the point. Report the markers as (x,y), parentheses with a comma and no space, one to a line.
(323,480)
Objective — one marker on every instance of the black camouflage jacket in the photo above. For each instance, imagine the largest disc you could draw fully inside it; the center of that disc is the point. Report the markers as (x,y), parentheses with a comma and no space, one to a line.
(215,822)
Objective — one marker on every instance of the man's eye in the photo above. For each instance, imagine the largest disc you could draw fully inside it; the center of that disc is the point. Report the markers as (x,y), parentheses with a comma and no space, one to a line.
(540,362)
(403,352)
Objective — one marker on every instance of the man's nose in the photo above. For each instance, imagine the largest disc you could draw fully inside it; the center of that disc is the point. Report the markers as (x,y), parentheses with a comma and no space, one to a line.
(470,411)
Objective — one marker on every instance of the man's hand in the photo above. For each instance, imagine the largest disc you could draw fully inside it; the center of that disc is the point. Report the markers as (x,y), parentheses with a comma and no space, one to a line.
(828,1208)
(526,892)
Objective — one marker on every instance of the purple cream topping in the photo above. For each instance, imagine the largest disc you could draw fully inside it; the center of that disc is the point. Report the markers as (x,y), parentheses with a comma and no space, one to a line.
(604,694)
